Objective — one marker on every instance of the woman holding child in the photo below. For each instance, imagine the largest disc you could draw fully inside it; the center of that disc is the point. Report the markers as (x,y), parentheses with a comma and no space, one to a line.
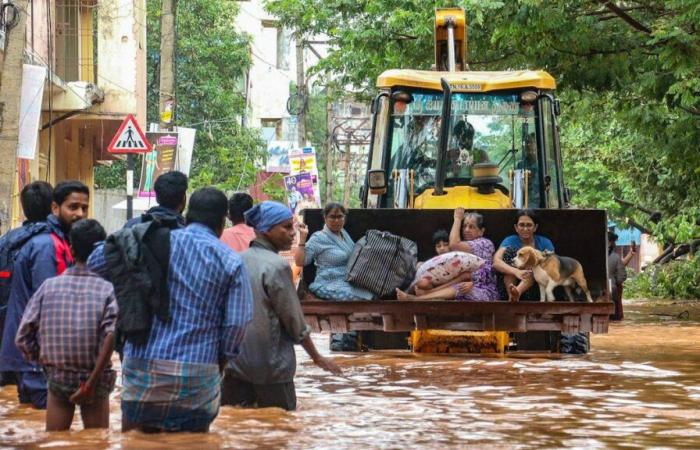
(330,250)
(466,235)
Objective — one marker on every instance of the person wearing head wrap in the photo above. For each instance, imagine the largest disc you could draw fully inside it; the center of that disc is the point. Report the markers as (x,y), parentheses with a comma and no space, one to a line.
(262,374)
(264,216)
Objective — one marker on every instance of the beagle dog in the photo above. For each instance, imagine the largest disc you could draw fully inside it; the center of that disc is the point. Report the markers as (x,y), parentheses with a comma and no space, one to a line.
(550,271)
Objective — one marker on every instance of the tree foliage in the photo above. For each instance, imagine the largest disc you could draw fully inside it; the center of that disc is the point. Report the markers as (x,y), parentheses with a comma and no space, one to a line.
(212,58)
(676,280)
(627,73)
(211,61)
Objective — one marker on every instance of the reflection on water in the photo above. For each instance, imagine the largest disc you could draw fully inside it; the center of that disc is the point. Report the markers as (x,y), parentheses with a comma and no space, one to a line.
(639,387)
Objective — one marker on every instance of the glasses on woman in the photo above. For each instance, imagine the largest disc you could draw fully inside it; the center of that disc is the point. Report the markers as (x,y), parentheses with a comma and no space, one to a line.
(526,225)
(335,217)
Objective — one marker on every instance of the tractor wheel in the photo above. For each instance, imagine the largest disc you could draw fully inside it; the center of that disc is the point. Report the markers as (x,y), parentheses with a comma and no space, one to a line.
(575,344)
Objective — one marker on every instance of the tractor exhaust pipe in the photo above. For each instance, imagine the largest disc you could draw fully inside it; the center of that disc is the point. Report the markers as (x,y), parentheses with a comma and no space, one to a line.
(441,168)
(450,44)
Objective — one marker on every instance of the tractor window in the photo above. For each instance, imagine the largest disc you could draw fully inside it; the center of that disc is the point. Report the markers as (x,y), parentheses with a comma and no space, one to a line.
(551,161)
(414,139)
(484,127)
(495,128)
(524,163)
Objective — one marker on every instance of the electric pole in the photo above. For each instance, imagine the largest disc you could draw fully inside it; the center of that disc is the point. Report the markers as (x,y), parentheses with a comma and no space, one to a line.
(329,151)
(10,96)
(301,92)
(167,65)
(166,102)
(347,186)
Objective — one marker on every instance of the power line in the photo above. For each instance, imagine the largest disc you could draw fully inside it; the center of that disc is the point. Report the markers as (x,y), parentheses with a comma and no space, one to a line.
(49,44)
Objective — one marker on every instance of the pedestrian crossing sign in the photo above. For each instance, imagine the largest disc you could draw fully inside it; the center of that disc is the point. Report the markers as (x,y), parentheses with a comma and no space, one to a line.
(129,138)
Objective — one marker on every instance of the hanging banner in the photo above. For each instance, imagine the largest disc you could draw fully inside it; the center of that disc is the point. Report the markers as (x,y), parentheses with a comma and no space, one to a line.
(278,156)
(33,78)
(185,146)
(300,192)
(158,161)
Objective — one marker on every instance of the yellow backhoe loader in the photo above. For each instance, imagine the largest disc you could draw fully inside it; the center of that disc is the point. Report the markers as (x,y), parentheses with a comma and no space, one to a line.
(485,141)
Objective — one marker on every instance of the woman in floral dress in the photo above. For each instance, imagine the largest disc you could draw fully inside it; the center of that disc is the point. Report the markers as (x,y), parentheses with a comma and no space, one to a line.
(467,235)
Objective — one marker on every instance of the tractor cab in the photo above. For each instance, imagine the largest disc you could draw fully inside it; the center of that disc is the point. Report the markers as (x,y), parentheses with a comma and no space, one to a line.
(490,137)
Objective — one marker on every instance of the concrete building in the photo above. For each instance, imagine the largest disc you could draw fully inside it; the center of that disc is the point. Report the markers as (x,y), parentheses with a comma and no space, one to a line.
(94,52)
(273,71)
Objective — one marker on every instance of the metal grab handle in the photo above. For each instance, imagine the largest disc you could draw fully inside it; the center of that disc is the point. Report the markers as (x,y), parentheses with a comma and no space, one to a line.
(527,187)
(511,177)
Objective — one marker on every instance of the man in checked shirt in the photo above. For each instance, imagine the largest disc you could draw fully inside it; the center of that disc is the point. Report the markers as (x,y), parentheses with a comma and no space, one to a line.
(67,327)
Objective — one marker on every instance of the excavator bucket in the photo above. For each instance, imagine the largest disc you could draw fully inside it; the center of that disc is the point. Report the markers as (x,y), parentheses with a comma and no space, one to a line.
(580,234)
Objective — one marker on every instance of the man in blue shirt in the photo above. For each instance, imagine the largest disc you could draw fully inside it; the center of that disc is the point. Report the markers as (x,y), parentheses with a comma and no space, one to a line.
(526,223)
(171,195)
(172,382)
(43,256)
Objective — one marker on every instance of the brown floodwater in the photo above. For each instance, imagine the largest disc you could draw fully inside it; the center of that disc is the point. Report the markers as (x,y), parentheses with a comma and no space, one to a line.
(639,387)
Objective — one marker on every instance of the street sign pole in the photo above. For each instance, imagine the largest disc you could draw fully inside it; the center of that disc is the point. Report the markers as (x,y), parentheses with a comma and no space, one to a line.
(129,186)
(129,139)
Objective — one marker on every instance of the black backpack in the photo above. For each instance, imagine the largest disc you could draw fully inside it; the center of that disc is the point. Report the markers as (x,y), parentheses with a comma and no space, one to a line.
(138,261)
(10,245)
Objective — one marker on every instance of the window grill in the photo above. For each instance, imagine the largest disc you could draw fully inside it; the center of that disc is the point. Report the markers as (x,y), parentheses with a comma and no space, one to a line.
(75,43)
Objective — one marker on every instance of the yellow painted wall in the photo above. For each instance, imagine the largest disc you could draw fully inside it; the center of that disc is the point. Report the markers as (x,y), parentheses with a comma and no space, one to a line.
(87,58)
(71,158)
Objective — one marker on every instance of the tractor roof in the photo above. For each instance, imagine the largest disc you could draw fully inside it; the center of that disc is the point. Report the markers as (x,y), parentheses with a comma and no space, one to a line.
(467,81)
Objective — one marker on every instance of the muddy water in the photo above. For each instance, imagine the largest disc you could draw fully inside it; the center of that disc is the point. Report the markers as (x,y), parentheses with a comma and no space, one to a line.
(639,387)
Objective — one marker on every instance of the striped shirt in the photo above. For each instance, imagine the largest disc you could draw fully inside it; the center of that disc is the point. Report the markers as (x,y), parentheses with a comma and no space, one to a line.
(210,302)
(66,321)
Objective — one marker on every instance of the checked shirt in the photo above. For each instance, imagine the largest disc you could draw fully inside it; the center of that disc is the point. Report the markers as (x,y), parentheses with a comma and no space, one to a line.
(65,324)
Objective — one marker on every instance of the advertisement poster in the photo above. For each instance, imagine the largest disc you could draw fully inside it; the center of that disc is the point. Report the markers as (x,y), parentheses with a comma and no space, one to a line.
(157,162)
(300,192)
(303,160)
(278,156)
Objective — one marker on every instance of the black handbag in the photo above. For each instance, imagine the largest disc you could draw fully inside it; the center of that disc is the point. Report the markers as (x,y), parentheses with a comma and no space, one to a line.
(381,262)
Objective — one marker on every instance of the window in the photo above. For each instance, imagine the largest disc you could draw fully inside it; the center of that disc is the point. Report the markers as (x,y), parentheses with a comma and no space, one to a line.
(74,45)
(271,129)
(490,127)
(552,182)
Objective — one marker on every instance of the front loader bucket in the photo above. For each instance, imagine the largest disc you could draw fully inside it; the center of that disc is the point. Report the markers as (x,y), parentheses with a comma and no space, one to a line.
(580,234)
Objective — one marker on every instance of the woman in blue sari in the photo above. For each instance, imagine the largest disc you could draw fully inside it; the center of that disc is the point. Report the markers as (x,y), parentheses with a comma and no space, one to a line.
(329,249)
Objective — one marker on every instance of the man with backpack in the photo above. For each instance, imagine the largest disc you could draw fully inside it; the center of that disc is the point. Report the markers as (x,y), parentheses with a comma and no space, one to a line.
(35,199)
(43,256)
(171,195)
(188,320)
